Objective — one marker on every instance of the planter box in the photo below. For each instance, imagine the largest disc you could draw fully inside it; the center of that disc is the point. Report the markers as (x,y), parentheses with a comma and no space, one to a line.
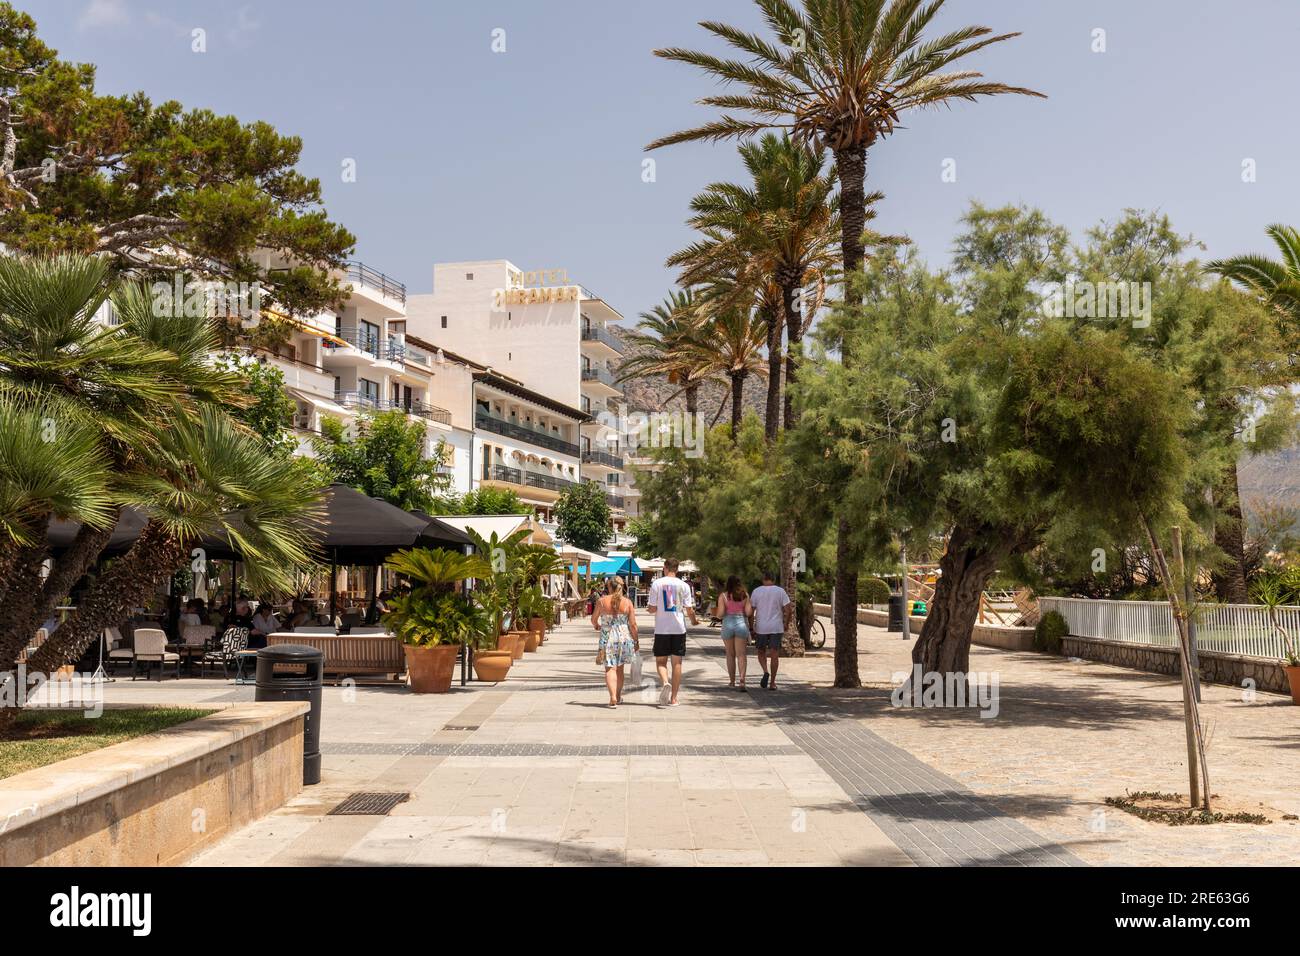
(158,799)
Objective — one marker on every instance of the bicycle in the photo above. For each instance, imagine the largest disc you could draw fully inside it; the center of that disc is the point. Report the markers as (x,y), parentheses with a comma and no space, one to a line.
(817,634)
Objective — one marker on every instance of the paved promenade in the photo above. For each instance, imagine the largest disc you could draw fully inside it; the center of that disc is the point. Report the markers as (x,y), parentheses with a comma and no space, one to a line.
(538,771)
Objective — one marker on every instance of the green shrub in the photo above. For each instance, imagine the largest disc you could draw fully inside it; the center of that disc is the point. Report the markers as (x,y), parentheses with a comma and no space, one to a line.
(872,591)
(1047,635)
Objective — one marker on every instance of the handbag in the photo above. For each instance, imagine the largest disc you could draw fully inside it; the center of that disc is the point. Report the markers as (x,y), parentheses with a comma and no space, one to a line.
(636,669)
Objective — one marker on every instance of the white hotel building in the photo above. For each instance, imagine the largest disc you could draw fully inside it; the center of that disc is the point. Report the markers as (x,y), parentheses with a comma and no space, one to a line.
(550,336)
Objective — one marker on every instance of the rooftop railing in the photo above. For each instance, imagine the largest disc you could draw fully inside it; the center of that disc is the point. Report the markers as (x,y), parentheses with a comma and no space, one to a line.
(361,274)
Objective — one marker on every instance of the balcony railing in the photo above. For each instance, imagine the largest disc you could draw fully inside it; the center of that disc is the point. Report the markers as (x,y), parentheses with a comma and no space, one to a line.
(413,407)
(615,501)
(527,479)
(597,333)
(500,426)
(596,373)
(602,458)
(361,274)
(370,344)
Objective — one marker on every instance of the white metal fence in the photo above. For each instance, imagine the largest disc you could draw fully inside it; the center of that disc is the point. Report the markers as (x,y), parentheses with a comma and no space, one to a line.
(1229,628)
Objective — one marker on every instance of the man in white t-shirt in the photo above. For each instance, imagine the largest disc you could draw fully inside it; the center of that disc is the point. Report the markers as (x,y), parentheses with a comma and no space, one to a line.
(772,610)
(671,602)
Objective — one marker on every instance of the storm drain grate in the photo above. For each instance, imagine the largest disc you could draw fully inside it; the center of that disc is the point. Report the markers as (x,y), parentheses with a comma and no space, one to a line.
(369,804)
(461,727)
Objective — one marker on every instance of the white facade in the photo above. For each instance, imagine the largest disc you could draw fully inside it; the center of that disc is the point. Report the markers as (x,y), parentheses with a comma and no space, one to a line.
(543,330)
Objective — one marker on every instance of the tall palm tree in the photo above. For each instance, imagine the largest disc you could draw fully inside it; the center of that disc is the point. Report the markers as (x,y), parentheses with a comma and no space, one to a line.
(778,232)
(840,75)
(662,342)
(1276,284)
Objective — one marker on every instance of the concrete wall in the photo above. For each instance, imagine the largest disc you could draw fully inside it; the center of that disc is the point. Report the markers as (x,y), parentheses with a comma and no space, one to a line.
(158,799)
(1216,668)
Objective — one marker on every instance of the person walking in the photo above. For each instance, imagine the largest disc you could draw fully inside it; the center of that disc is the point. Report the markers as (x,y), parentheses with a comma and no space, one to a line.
(772,610)
(736,613)
(671,602)
(615,618)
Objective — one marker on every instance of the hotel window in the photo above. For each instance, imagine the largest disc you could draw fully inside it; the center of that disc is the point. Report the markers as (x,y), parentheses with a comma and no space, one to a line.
(444,321)
(397,327)
(469,277)
(369,390)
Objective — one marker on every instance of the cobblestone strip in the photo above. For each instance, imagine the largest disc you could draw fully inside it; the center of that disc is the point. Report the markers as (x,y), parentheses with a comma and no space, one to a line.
(930,816)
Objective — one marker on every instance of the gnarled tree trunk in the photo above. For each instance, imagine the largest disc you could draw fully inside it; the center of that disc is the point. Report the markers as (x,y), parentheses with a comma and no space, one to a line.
(1229,535)
(965,569)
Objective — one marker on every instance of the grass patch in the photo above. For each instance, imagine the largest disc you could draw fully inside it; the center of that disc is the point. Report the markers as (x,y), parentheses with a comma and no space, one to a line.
(41,737)
(1173,809)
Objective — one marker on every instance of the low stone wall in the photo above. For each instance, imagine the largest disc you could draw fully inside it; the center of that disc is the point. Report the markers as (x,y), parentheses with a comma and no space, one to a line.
(1216,667)
(987,635)
(157,799)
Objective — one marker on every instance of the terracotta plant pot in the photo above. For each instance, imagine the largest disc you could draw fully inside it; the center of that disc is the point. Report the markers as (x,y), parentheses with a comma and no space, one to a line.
(523,643)
(492,666)
(533,641)
(430,669)
(538,626)
(1293,675)
(507,642)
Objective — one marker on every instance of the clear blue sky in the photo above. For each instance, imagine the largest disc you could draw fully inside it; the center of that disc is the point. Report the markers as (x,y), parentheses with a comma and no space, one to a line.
(535,154)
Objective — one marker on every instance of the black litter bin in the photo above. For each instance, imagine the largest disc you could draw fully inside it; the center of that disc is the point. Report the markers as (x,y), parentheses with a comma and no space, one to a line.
(895,613)
(300,677)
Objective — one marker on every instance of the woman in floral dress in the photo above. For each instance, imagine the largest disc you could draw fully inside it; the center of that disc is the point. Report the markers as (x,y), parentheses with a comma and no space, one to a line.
(615,618)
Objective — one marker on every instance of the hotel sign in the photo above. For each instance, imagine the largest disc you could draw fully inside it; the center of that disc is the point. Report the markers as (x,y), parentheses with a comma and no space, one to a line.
(537,286)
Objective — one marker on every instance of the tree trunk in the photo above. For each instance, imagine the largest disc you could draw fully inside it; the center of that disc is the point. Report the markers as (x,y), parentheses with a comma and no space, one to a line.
(791,642)
(129,583)
(964,570)
(692,399)
(1193,731)
(737,402)
(793,336)
(772,412)
(852,167)
(1229,535)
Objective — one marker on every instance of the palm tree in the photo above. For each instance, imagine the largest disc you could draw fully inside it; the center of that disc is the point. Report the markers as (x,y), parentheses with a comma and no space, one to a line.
(775,234)
(1276,284)
(839,76)
(155,407)
(731,343)
(661,341)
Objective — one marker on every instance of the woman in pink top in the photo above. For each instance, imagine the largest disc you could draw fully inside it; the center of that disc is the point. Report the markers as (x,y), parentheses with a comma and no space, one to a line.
(736,612)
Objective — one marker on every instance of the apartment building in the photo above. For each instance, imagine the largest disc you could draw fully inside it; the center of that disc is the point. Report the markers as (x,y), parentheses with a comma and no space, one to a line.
(549,334)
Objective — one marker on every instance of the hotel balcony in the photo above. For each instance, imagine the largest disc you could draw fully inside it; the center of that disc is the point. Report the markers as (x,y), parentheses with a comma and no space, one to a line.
(616,502)
(376,287)
(602,460)
(599,342)
(359,400)
(518,477)
(600,381)
(361,349)
(500,426)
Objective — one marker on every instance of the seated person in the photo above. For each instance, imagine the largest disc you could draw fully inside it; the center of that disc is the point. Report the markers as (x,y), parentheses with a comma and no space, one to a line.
(194,613)
(264,623)
(302,615)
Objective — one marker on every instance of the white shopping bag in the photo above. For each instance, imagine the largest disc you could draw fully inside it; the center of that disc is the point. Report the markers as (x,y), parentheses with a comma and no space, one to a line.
(636,669)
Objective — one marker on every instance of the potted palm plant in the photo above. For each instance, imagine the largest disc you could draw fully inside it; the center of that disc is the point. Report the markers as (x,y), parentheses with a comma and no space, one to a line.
(535,562)
(498,590)
(438,616)
(1273,593)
